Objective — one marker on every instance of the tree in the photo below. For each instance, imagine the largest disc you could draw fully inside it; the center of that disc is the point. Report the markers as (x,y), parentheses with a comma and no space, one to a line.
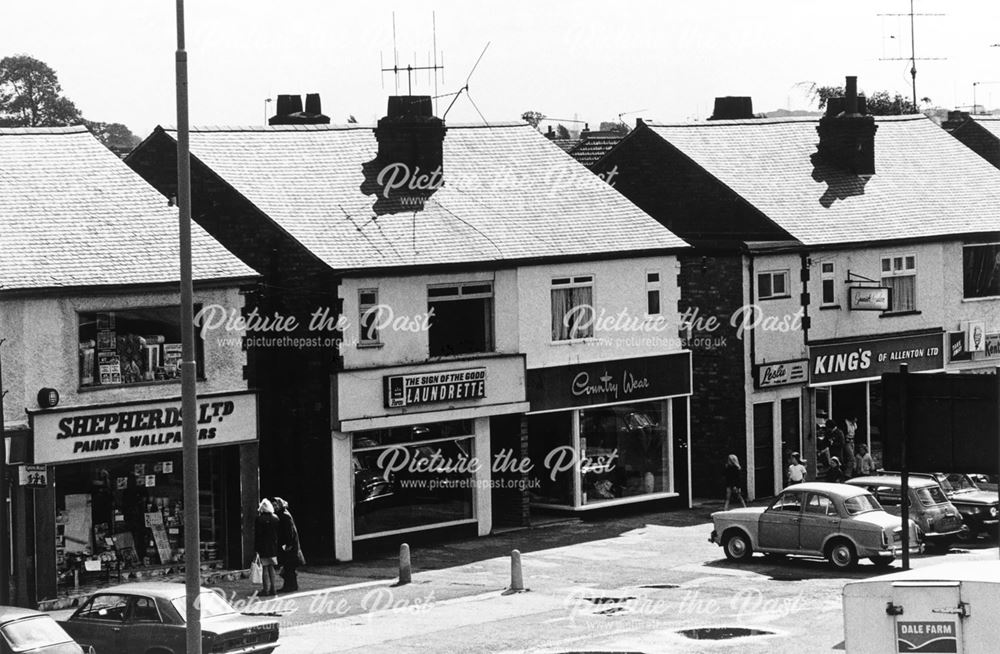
(880,103)
(533,118)
(616,127)
(30,95)
(115,136)
(562,132)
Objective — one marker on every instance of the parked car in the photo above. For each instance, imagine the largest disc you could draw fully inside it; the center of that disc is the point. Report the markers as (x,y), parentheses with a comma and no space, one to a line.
(138,618)
(978,507)
(986,482)
(24,631)
(837,522)
(938,518)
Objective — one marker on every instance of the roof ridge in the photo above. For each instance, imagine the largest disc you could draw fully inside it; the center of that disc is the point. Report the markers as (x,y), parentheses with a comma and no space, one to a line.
(327,127)
(22,131)
(783,120)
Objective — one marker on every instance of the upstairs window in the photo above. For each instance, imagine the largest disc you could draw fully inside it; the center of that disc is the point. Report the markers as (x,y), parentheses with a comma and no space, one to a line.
(828,272)
(572,308)
(368,315)
(981,270)
(653,289)
(899,273)
(132,346)
(461,320)
(772,284)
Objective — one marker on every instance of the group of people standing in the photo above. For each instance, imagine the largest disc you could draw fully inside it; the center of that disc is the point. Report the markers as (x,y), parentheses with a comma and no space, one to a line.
(276,541)
(837,460)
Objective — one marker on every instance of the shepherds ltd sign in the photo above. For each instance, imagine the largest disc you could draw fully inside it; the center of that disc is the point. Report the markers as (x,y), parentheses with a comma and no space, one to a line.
(868,359)
(117,430)
(431,387)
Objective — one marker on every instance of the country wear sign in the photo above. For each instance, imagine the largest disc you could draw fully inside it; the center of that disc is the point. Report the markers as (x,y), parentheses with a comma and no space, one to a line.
(119,430)
(431,387)
(868,359)
(609,382)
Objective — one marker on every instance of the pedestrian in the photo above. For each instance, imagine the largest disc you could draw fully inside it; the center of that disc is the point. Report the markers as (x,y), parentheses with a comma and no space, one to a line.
(850,429)
(290,556)
(835,440)
(865,463)
(265,543)
(836,473)
(796,471)
(734,481)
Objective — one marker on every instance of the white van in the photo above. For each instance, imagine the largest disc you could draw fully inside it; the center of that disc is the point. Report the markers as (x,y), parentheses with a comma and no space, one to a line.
(950,608)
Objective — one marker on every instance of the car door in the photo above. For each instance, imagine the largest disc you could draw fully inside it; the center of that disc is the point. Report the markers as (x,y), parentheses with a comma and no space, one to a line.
(98,623)
(778,525)
(819,520)
(145,627)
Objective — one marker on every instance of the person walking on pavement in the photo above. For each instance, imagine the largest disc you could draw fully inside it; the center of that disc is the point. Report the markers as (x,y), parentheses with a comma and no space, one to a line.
(865,464)
(290,556)
(734,481)
(265,543)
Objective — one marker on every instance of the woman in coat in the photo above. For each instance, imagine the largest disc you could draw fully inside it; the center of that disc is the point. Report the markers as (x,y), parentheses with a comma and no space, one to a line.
(291,556)
(265,543)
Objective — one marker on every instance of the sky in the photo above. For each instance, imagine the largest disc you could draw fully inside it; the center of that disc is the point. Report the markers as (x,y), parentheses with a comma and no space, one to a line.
(581,60)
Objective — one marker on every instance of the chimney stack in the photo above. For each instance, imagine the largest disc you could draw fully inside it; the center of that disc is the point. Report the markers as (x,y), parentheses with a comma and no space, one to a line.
(733,107)
(289,111)
(847,133)
(410,134)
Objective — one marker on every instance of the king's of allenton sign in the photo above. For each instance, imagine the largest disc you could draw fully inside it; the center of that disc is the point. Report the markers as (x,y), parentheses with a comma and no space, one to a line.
(431,387)
(868,359)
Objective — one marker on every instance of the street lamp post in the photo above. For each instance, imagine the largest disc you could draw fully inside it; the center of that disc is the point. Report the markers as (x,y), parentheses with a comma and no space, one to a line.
(189,404)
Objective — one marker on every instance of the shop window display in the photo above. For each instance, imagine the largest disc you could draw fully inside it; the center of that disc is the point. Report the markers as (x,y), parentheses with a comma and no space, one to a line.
(131,346)
(412,476)
(128,514)
(624,451)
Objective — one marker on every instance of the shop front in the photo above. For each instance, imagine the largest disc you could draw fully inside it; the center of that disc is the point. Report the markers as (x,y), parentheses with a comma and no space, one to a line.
(845,380)
(775,424)
(111,506)
(974,347)
(413,447)
(609,432)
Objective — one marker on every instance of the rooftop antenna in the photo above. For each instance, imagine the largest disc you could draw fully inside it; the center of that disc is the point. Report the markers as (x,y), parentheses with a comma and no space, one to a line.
(466,87)
(913,58)
(629,113)
(410,68)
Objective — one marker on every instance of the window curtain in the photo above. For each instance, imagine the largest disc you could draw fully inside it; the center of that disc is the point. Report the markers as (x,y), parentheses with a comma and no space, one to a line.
(904,292)
(578,324)
(981,268)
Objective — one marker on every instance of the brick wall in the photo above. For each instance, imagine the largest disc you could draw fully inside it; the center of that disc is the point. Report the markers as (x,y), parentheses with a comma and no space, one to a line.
(295,454)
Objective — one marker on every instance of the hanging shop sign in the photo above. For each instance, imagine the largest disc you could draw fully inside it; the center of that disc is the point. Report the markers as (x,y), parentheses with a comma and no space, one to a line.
(119,430)
(781,373)
(975,335)
(868,359)
(433,387)
(869,298)
(33,476)
(609,382)
(956,347)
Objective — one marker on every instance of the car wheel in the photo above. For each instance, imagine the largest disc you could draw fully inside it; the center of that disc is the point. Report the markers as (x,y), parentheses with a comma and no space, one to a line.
(737,546)
(881,561)
(842,555)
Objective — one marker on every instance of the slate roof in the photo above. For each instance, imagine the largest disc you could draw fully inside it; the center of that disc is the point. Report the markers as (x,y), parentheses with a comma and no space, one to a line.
(508,194)
(593,146)
(926,183)
(73,214)
(990,123)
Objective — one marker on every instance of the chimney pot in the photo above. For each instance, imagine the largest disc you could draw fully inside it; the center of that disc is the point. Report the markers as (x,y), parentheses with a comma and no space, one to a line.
(288,104)
(732,107)
(313,105)
(852,95)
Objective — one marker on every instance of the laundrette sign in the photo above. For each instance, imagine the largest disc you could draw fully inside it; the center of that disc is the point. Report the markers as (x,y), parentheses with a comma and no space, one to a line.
(123,429)
(431,387)
(870,358)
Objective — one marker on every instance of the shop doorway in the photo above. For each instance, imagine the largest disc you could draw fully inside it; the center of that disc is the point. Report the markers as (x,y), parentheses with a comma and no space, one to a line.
(763,449)
(791,429)
(853,401)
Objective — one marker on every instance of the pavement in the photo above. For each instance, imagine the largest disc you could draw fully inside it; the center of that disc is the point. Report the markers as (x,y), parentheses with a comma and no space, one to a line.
(629,583)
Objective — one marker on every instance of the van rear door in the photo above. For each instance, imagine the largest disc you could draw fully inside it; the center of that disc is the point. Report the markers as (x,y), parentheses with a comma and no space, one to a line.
(928,616)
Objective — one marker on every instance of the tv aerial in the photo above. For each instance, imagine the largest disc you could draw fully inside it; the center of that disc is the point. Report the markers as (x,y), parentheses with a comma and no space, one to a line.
(432,66)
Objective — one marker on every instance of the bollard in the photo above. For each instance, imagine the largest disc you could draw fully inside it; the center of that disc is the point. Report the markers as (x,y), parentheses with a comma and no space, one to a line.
(405,570)
(516,575)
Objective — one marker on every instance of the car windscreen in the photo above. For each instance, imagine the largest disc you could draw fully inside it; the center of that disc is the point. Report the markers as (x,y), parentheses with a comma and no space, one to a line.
(32,633)
(211,605)
(931,495)
(862,504)
(961,483)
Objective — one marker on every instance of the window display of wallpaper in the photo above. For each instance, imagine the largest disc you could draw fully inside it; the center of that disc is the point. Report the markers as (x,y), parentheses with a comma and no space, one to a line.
(131,346)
